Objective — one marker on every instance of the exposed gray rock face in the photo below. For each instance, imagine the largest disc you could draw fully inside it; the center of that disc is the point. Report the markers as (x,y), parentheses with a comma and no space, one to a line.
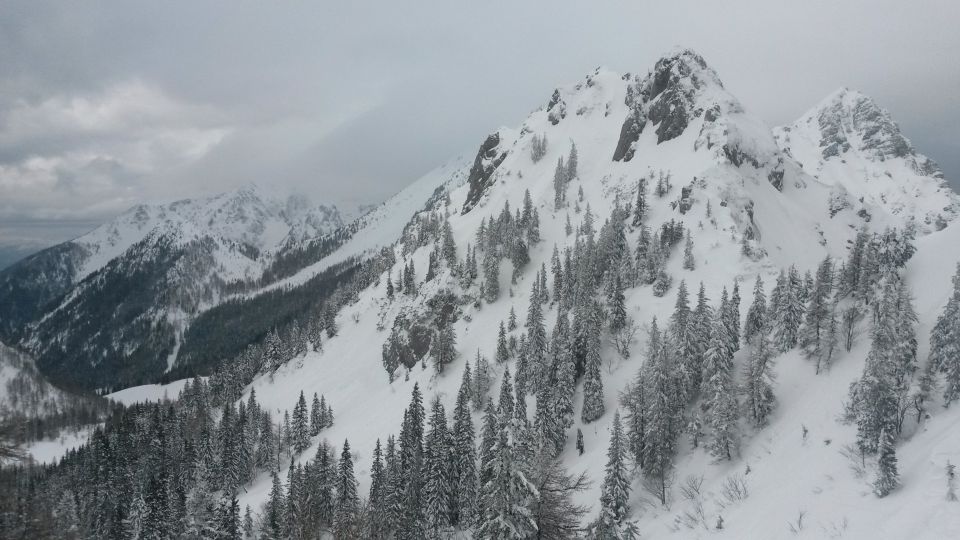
(556,109)
(665,97)
(629,133)
(851,118)
(487,161)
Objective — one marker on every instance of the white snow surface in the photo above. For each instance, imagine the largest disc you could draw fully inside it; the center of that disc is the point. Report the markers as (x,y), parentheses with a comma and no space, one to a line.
(149,393)
(50,451)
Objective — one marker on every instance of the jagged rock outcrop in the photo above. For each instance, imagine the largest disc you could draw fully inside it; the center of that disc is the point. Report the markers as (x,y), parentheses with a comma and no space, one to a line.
(487,161)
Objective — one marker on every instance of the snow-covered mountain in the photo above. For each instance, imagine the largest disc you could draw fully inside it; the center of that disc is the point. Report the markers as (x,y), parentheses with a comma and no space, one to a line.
(246,223)
(113,303)
(752,200)
(755,200)
(853,145)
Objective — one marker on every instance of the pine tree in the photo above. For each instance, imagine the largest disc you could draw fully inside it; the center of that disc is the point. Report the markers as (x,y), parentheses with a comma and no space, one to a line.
(481,381)
(229,518)
(733,316)
(471,265)
(394,487)
(315,419)
(887,477)
(640,206)
(133,523)
(572,160)
(507,494)
(445,351)
(378,492)
(502,354)
(464,469)
(431,267)
(663,406)
(945,343)
(276,509)
(759,379)
(536,338)
(488,439)
(757,313)
(437,487)
(491,276)
(951,482)
(789,311)
(533,229)
(687,346)
(326,412)
(449,248)
(615,493)
(330,321)
(555,398)
(527,214)
(593,407)
(817,314)
(512,320)
(688,261)
(301,426)
(618,308)
(248,524)
(348,501)
(874,396)
(538,147)
(324,503)
(722,405)
(559,184)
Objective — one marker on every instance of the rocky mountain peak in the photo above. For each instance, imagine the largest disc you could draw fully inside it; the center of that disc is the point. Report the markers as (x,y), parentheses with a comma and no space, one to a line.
(680,88)
(850,120)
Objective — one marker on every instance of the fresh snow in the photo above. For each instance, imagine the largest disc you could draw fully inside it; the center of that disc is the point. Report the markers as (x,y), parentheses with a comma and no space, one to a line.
(49,451)
(149,393)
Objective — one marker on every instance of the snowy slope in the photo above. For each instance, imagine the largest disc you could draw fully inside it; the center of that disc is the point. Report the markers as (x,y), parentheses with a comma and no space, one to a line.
(381,226)
(149,392)
(754,187)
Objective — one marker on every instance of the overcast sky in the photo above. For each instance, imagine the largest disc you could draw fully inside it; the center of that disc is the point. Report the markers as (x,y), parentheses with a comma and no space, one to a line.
(107,104)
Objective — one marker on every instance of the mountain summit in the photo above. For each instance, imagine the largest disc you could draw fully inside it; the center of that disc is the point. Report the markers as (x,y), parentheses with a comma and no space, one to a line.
(850,142)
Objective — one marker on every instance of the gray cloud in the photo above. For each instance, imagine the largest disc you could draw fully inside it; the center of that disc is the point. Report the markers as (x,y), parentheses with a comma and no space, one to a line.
(103,104)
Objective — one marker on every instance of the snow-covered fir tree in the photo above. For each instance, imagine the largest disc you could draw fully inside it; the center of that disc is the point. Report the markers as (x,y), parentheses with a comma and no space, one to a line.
(463,510)
(438,486)
(720,392)
(662,414)
(759,378)
(301,425)
(613,520)
(945,343)
(592,382)
(757,313)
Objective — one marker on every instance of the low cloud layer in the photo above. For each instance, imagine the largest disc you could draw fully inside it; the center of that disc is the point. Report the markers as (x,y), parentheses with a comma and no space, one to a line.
(106,104)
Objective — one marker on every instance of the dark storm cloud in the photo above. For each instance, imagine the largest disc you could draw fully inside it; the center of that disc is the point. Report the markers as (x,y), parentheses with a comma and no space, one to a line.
(103,104)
